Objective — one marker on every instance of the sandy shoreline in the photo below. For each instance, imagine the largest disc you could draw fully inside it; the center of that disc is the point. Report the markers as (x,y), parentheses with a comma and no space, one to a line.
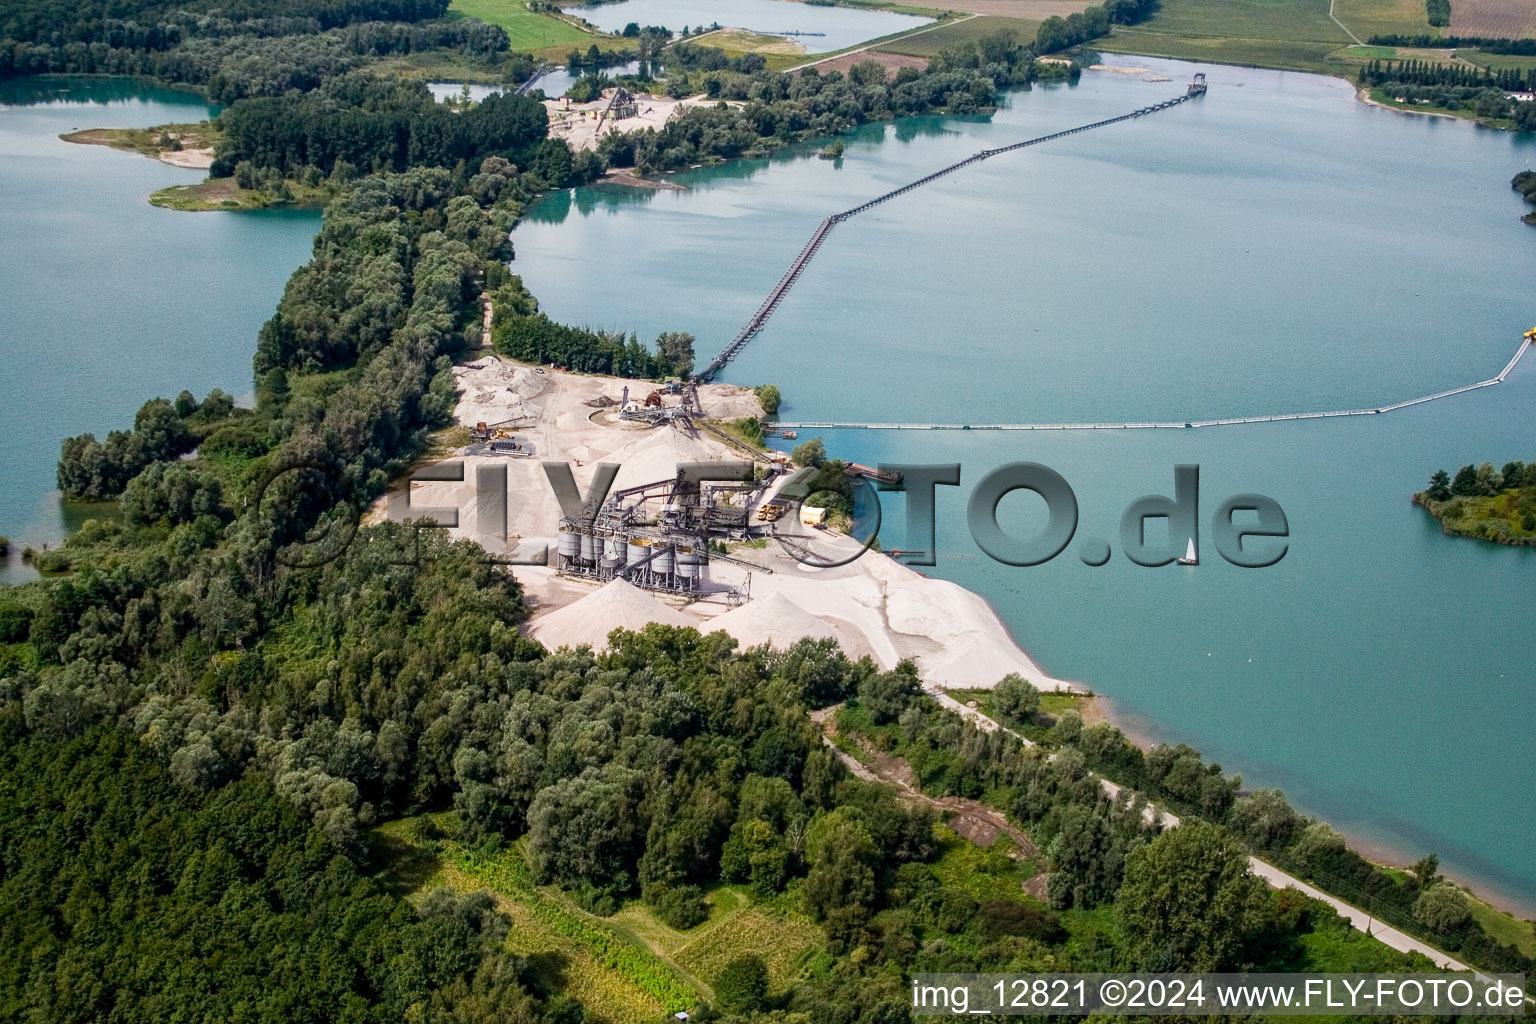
(193,158)
(1364,96)
(629,179)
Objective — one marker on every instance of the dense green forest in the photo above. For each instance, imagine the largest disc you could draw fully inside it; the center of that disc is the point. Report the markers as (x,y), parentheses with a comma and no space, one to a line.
(1518,47)
(133,896)
(236,50)
(215,702)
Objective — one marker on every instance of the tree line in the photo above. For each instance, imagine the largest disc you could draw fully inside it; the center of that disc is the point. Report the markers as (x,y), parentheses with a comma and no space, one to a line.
(535,338)
(1517,47)
(1091,840)
(372,123)
(99,470)
(1424,72)
(769,109)
(1483,92)
(240,50)
(1057,33)
(1451,499)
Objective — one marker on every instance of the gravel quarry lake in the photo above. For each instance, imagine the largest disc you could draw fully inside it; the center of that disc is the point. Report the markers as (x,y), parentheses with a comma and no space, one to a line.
(1274,247)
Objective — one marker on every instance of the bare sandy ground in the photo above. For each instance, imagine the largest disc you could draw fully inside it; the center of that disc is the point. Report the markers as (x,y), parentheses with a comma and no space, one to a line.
(619,176)
(874,606)
(192,157)
(197,159)
(577,123)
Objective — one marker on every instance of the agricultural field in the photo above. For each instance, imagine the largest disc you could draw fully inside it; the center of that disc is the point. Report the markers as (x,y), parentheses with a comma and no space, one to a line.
(892,62)
(1030,10)
(527,31)
(783,937)
(627,967)
(1295,34)
(929,43)
(1497,61)
(1366,18)
(1291,55)
(1493,19)
(1280,20)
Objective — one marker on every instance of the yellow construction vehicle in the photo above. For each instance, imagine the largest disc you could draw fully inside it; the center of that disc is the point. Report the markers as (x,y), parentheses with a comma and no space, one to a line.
(1530,335)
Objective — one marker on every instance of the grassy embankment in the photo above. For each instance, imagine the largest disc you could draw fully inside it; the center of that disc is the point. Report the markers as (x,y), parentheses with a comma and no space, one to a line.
(626,967)
(1506,928)
(1504,518)
(779,53)
(224,194)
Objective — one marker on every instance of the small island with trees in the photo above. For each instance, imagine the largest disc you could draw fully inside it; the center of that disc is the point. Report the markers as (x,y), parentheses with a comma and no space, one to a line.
(1525,184)
(1485,502)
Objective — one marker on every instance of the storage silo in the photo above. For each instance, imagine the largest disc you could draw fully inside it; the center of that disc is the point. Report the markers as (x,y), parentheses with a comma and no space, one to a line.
(662,563)
(568,545)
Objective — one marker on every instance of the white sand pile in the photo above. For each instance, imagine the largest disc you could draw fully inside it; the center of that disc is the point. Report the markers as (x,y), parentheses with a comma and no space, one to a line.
(774,619)
(729,402)
(854,606)
(494,391)
(654,455)
(973,647)
(619,605)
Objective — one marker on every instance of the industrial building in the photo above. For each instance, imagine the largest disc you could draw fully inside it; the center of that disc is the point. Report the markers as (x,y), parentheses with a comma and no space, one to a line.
(658,536)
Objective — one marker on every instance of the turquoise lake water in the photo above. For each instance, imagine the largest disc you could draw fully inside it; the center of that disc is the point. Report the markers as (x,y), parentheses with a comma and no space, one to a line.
(110,301)
(1274,247)
(834,27)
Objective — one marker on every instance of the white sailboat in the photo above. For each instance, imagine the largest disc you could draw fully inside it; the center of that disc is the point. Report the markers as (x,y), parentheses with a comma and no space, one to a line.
(1190,558)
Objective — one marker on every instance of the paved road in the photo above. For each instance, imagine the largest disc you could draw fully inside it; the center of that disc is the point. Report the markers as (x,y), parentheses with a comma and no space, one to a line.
(1272,875)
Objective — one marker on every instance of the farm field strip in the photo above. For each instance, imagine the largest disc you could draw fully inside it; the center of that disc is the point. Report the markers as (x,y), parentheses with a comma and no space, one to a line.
(525,29)
(1493,19)
(929,43)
